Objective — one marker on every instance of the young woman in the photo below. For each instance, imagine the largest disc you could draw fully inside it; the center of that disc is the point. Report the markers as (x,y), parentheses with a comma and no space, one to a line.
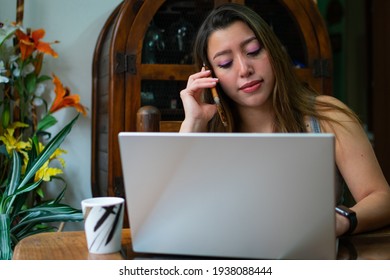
(260,92)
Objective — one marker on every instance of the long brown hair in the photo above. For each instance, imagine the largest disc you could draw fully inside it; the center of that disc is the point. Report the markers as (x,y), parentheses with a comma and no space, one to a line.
(292,99)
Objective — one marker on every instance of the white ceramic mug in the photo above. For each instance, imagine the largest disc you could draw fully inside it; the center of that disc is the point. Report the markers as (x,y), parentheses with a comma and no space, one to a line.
(103,221)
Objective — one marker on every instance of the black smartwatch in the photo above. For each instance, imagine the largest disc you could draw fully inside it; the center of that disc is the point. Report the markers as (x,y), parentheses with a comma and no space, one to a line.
(350,215)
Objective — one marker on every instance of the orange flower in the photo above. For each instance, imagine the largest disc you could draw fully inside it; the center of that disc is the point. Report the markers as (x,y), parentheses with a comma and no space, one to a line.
(29,44)
(65,99)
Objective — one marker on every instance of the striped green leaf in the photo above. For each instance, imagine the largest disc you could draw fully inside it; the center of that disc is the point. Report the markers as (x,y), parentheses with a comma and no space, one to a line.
(55,213)
(47,152)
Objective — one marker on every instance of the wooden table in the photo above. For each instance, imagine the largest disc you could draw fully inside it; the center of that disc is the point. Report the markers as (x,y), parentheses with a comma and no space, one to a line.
(67,245)
(72,246)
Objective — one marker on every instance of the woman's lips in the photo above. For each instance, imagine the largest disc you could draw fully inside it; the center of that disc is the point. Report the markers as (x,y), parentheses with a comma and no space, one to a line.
(251,86)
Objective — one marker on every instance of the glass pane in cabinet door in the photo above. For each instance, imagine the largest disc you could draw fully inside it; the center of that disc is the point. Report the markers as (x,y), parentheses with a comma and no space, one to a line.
(165,95)
(284,26)
(171,33)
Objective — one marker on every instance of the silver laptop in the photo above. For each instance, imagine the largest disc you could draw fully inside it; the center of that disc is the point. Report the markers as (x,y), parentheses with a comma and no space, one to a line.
(250,196)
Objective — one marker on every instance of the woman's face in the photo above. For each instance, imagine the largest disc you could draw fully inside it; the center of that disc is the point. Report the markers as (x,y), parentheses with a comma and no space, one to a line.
(241,64)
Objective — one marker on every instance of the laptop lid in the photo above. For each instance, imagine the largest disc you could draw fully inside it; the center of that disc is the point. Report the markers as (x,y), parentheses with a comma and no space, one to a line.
(262,196)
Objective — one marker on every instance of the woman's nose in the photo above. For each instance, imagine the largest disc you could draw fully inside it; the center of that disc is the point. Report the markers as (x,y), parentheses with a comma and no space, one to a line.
(244,67)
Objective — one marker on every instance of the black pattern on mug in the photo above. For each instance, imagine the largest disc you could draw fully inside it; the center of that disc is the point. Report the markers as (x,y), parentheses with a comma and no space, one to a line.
(103,226)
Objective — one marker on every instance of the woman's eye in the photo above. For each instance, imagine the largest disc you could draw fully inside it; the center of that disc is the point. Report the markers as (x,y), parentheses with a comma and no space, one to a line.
(254,53)
(225,65)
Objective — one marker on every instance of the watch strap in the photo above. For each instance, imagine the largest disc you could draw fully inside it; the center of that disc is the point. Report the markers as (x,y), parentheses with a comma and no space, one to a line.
(350,215)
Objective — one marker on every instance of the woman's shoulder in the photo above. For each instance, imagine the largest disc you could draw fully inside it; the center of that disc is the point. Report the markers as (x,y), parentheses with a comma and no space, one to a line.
(334,111)
(330,106)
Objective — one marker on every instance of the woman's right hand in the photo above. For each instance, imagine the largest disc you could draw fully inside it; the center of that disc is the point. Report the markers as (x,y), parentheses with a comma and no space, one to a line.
(197,113)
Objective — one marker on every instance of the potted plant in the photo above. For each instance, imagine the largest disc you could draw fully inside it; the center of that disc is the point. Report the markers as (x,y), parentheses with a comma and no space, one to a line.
(29,154)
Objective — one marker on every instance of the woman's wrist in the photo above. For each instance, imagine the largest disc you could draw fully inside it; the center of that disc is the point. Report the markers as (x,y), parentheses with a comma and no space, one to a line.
(193,126)
(342,225)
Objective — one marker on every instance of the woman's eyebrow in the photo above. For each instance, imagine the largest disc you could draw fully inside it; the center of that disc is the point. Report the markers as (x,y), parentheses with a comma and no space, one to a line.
(247,41)
(221,53)
(242,44)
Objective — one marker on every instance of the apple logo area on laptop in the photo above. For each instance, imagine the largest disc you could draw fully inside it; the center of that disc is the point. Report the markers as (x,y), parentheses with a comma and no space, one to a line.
(249,196)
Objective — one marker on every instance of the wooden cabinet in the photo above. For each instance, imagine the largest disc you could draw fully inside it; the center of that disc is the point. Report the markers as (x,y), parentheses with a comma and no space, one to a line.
(143,57)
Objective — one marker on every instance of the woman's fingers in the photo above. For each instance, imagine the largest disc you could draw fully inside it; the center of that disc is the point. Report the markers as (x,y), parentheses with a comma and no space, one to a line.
(198,82)
(194,107)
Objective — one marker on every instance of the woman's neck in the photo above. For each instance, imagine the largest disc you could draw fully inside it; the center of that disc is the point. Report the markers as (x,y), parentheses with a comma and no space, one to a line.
(256,120)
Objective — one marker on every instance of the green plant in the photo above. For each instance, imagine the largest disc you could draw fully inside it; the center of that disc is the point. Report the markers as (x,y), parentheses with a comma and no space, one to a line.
(25,220)
(28,151)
